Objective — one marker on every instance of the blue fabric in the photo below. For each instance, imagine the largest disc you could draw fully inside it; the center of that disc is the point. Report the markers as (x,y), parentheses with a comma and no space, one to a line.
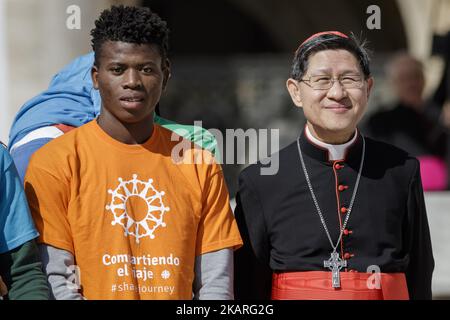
(16,224)
(22,154)
(70,99)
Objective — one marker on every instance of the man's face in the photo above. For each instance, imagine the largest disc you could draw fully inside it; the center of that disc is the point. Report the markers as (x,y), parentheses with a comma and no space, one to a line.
(408,80)
(130,78)
(332,115)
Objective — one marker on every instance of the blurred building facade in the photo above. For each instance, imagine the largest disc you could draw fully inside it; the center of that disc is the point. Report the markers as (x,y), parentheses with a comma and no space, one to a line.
(229,37)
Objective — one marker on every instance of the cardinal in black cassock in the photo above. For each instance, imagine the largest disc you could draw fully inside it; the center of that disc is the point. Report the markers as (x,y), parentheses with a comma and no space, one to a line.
(338,220)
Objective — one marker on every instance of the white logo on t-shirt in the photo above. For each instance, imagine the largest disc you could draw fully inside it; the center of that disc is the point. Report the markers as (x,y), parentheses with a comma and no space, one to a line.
(138,207)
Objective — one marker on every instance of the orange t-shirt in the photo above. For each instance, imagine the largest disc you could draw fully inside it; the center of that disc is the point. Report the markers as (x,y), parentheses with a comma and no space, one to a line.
(133,219)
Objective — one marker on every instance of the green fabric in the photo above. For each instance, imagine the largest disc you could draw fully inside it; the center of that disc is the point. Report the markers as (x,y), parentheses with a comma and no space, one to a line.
(21,271)
(198,135)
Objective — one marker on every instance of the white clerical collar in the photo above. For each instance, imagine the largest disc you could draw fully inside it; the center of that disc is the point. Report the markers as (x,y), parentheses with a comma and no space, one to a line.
(335,151)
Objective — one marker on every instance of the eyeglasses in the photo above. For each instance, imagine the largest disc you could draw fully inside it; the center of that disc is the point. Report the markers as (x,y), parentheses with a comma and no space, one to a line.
(348,81)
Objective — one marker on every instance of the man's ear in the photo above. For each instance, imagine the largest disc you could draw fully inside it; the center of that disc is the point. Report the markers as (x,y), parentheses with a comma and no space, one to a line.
(94,76)
(293,86)
(166,73)
(370,83)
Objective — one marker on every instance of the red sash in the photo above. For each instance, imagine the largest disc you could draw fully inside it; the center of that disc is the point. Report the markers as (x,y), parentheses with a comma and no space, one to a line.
(316,285)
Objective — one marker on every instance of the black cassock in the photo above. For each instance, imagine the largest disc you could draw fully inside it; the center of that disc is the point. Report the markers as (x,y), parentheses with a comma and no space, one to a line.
(282,231)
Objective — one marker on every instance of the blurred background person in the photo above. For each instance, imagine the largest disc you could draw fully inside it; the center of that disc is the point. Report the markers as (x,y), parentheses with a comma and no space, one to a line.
(441,48)
(412,122)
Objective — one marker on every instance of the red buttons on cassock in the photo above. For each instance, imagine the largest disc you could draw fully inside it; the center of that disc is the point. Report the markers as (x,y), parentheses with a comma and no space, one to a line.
(347,232)
(341,187)
(344,210)
(347,256)
(338,166)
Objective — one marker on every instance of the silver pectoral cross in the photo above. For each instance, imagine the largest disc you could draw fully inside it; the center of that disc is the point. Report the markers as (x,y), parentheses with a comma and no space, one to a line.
(335,264)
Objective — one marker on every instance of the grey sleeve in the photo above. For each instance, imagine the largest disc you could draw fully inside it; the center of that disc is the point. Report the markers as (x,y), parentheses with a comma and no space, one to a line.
(214,276)
(62,274)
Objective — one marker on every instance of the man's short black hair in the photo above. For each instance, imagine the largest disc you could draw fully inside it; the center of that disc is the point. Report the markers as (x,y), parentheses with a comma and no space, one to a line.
(329,41)
(130,24)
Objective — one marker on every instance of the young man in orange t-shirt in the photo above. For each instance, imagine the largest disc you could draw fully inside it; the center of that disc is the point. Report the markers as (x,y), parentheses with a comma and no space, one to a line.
(109,198)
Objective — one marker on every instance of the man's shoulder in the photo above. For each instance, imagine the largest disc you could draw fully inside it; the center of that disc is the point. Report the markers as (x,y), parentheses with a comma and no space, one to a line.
(277,162)
(387,155)
(63,145)
(384,149)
